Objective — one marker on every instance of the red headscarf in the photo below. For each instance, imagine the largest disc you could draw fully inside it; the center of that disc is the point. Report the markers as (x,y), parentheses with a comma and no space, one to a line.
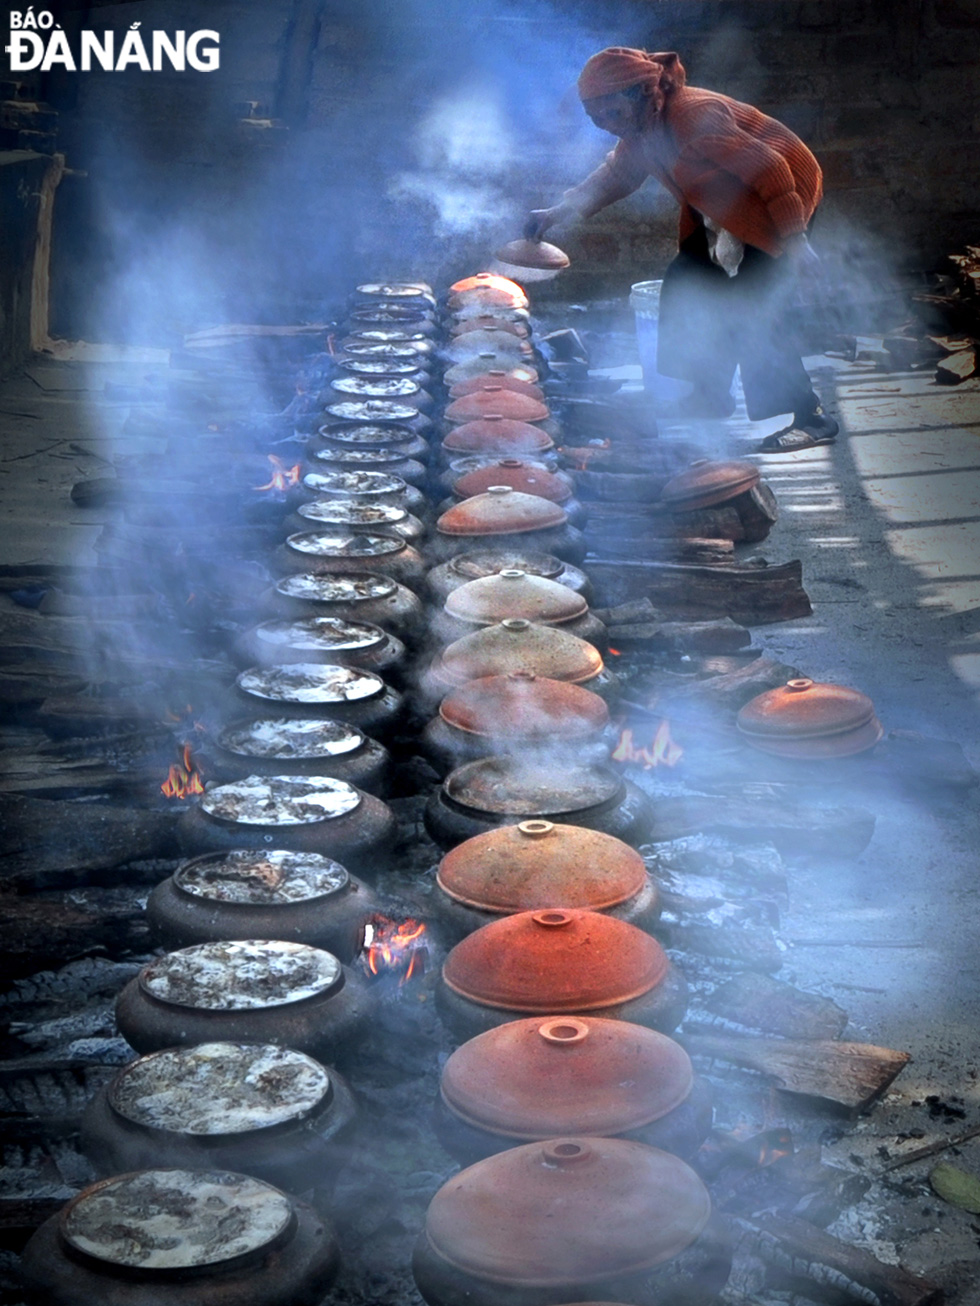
(619,68)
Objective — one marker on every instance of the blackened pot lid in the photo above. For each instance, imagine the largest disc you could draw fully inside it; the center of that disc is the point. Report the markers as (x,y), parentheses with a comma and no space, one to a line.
(379,366)
(380,344)
(360,457)
(490,562)
(289,737)
(395,289)
(175,1219)
(280,800)
(219,1089)
(355,483)
(380,387)
(348,512)
(511,787)
(367,433)
(241,975)
(326,544)
(324,634)
(250,878)
(335,589)
(372,410)
(310,682)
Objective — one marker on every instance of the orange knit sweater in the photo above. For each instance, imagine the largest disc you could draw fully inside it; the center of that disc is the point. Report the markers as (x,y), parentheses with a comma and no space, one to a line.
(718,157)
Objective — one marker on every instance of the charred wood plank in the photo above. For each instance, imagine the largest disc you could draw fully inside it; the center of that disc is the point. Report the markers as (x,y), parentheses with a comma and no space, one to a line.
(727,693)
(36,933)
(792,827)
(749,595)
(767,1004)
(957,367)
(751,946)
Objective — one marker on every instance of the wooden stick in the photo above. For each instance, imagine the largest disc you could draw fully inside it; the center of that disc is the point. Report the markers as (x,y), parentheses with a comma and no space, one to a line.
(932,1149)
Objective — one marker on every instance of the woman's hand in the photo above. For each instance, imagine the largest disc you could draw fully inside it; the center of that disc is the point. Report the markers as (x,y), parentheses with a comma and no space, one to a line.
(540,220)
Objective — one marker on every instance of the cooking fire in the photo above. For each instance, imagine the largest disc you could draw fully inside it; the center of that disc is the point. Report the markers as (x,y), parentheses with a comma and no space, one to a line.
(394,947)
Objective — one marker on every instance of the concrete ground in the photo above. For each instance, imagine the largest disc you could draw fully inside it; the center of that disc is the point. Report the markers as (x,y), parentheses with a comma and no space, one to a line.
(887,524)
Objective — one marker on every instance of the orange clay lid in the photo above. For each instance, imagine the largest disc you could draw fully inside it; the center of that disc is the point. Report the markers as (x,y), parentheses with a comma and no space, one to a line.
(519,475)
(501,511)
(496,376)
(519,867)
(555,960)
(515,644)
(524,706)
(513,592)
(497,434)
(496,399)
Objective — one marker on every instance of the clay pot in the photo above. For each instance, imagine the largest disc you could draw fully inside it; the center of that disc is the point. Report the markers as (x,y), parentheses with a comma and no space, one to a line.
(363,487)
(495,400)
(573,1217)
(309,689)
(227,1239)
(502,437)
(364,596)
(370,435)
(518,645)
(398,388)
(248,991)
(272,745)
(486,288)
(536,1079)
(465,323)
(463,567)
(493,379)
(386,459)
(303,813)
(513,593)
(538,863)
(707,483)
(811,720)
(525,520)
(493,791)
(519,475)
(330,640)
(358,518)
(246,894)
(461,466)
(343,552)
(559,961)
(489,361)
(261,1110)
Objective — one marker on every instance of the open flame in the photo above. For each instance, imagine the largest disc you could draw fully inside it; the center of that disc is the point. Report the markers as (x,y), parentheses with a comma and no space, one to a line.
(394,946)
(183,778)
(282,476)
(662,750)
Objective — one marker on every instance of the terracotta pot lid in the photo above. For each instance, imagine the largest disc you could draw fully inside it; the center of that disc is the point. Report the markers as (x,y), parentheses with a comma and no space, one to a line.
(507,786)
(514,593)
(483,284)
(515,644)
(487,362)
(497,434)
(367,435)
(533,254)
(496,376)
(807,718)
(489,562)
(491,321)
(614,1207)
(706,483)
(524,706)
(157,1221)
(495,338)
(348,512)
(310,683)
(241,975)
(519,475)
(520,867)
(219,1089)
(357,485)
(501,511)
(330,544)
(252,878)
(538,1078)
(496,399)
(553,961)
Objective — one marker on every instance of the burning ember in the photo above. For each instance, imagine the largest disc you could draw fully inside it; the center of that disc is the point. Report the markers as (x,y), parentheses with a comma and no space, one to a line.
(183,778)
(394,946)
(282,476)
(581,454)
(661,752)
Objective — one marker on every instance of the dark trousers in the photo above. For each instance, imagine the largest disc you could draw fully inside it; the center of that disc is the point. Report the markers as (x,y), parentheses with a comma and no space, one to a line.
(711,323)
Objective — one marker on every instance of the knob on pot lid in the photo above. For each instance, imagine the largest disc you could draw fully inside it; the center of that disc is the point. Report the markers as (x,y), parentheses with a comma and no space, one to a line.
(520,867)
(501,511)
(706,483)
(496,399)
(519,475)
(153,1220)
(496,433)
(512,592)
(524,706)
(537,1078)
(806,718)
(613,1207)
(519,645)
(486,362)
(555,960)
(496,376)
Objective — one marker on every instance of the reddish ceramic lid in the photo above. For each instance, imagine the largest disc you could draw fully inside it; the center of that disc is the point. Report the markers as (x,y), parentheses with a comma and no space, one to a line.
(706,483)
(518,645)
(520,867)
(539,1078)
(495,337)
(512,592)
(490,288)
(481,321)
(497,434)
(485,362)
(524,706)
(555,960)
(611,1207)
(496,399)
(533,254)
(496,376)
(501,511)
(807,718)
(519,475)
